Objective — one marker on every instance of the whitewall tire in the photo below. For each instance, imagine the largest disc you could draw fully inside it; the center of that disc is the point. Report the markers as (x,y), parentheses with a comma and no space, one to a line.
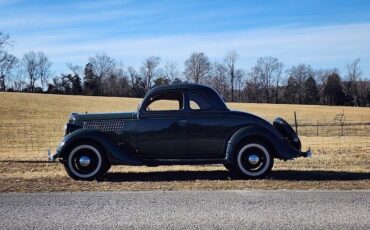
(85,162)
(253,160)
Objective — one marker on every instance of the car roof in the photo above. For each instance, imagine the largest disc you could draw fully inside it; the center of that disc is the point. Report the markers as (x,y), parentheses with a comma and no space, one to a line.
(208,92)
(180,86)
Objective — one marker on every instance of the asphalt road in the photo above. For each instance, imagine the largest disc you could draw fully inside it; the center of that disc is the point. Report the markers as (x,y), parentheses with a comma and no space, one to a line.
(187,210)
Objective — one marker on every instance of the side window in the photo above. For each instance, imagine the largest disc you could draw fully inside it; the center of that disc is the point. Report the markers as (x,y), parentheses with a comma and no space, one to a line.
(198,102)
(171,101)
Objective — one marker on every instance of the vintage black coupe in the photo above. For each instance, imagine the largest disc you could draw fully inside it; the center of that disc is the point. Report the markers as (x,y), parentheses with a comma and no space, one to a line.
(176,124)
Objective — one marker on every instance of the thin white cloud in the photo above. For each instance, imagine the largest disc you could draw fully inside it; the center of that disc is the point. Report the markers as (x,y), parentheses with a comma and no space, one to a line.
(327,46)
(47,20)
(9,2)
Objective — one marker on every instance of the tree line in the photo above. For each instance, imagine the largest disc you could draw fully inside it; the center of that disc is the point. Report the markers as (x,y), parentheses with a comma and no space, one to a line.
(267,81)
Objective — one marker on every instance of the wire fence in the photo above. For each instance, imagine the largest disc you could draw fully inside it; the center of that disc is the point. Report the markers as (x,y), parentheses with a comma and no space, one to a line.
(333,129)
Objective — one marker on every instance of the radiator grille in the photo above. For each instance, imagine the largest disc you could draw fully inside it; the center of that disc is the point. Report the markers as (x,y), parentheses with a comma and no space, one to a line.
(105,126)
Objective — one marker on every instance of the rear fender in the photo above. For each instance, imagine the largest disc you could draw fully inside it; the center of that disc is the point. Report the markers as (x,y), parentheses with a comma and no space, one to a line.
(282,149)
(114,153)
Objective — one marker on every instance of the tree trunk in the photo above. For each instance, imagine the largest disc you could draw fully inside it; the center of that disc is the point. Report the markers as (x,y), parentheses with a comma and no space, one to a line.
(232,87)
(277,92)
(2,83)
(32,84)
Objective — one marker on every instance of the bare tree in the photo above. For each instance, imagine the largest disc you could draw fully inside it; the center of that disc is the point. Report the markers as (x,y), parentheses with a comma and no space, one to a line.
(277,81)
(197,67)
(239,82)
(43,69)
(30,64)
(171,71)
(353,77)
(321,78)
(103,67)
(148,69)
(137,83)
(123,88)
(7,63)
(230,60)
(4,39)
(267,70)
(117,82)
(219,79)
(300,74)
(36,66)
(252,90)
(75,69)
(19,81)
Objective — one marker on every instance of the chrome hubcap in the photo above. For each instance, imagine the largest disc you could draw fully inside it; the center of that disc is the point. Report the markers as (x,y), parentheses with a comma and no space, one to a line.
(84,161)
(253,159)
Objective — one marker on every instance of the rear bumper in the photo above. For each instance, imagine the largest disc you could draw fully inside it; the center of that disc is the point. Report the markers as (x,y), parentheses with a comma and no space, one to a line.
(308,153)
(51,156)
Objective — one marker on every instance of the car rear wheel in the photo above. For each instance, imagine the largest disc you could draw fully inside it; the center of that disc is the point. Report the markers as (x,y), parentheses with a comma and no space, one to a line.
(252,160)
(85,162)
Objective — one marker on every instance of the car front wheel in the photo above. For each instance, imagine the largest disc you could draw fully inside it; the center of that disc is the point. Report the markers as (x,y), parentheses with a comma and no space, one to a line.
(85,162)
(253,160)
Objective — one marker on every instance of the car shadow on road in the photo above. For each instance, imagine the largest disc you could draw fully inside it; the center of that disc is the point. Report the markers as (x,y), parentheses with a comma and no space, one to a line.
(292,175)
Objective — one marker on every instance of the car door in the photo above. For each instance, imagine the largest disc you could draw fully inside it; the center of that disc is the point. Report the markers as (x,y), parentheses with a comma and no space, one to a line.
(207,133)
(162,126)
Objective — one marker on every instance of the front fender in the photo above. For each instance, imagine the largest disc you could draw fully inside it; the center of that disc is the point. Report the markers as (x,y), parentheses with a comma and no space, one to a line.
(282,149)
(114,153)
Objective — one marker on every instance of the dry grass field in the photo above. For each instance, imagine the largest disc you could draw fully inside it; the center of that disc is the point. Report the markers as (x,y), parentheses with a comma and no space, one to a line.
(31,123)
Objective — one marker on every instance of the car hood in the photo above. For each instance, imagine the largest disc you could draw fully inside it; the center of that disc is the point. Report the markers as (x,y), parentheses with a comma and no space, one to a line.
(102,116)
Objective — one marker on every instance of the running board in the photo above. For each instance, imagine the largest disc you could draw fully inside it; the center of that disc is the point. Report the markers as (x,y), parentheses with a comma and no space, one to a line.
(183,161)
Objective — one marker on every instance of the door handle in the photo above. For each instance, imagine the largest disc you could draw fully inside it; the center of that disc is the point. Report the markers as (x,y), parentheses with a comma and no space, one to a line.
(182,122)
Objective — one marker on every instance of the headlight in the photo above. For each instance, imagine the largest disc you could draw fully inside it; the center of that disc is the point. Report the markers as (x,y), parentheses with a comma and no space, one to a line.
(72,117)
(66,129)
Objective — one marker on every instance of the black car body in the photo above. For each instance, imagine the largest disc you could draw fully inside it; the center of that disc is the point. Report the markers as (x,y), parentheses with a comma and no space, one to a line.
(176,124)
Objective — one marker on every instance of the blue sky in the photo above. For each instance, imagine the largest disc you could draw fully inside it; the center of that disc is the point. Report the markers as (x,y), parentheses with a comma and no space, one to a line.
(324,34)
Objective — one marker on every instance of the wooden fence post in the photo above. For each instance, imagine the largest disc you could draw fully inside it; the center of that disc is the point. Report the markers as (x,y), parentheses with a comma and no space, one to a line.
(295,120)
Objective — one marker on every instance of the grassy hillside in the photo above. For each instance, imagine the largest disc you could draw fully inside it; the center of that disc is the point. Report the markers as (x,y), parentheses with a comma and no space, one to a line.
(24,108)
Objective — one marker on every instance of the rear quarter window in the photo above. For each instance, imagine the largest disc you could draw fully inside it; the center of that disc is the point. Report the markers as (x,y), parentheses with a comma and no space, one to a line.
(198,102)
